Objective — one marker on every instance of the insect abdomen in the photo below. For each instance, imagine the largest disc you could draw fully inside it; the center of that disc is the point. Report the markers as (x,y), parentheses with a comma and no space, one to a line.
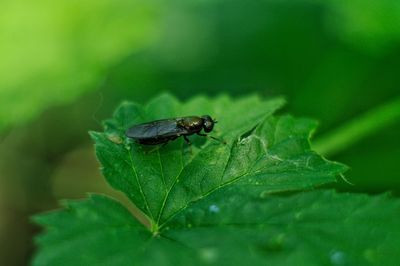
(154,141)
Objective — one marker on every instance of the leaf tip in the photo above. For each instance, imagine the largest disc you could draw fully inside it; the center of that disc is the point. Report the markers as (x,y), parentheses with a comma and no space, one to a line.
(94,135)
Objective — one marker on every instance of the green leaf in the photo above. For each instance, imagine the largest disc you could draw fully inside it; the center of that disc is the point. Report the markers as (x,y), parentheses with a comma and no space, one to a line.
(264,154)
(216,204)
(99,231)
(229,228)
(313,228)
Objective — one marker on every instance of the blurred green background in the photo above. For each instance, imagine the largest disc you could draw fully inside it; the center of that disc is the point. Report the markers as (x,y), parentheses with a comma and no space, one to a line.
(65,65)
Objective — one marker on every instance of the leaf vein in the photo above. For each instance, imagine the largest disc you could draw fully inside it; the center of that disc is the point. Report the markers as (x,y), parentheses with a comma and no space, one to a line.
(140,185)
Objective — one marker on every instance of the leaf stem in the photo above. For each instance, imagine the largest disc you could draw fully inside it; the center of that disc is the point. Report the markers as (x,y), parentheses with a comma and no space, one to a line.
(359,128)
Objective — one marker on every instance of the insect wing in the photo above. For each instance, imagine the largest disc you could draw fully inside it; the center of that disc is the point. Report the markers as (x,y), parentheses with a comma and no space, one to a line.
(156,129)
(141,131)
(169,128)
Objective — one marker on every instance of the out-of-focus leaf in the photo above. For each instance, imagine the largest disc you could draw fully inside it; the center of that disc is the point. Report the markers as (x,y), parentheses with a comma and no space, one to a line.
(373,26)
(52,52)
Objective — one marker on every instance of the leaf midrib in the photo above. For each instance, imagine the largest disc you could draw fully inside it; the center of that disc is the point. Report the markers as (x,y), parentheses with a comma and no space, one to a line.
(140,185)
(248,171)
(173,184)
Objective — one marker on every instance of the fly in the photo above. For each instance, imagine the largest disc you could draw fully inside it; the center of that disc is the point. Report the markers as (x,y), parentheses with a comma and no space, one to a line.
(165,130)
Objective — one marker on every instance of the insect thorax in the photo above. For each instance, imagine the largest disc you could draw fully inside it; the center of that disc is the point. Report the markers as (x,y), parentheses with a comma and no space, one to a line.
(191,123)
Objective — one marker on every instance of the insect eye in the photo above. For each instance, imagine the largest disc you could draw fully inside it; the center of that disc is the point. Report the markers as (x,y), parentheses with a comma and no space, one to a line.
(208,125)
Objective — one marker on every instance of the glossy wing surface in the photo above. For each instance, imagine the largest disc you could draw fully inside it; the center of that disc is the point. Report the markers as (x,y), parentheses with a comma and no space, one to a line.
(159,128)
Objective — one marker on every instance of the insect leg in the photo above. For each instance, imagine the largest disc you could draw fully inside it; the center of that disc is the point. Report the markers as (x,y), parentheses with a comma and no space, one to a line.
(214,138)
(187,140)
(189,143)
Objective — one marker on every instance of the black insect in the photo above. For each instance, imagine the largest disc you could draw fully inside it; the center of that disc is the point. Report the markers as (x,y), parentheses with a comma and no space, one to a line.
(162,131)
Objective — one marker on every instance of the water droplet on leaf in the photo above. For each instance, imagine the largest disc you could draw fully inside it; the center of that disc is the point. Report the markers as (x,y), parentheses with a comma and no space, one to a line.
(213,209)
(209,254)
(338,257)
